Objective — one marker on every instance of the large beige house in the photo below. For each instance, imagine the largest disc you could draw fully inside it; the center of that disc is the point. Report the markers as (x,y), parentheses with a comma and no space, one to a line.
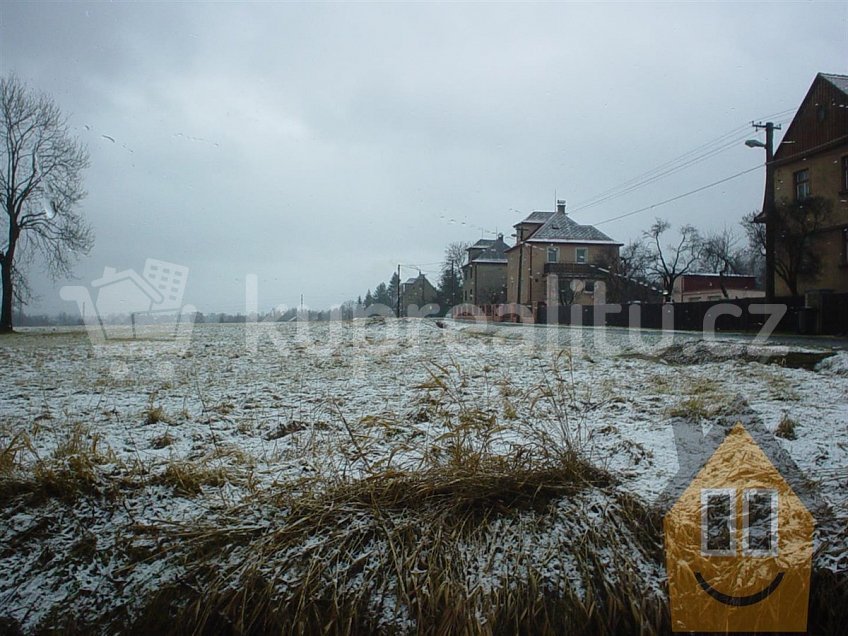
(556,259)
(812,160)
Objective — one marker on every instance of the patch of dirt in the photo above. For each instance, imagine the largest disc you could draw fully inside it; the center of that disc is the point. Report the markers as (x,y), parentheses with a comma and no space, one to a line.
(705,352)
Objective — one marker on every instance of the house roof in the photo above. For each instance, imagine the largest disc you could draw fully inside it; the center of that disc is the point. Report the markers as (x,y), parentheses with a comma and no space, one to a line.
(820,123)
(493,251)
(561,228)
(716,275)
(491,255)
(537,217)
(416,279)
(839,81)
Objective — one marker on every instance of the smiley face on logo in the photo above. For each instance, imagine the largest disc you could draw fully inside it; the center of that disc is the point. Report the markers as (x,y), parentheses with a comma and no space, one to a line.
(738,546)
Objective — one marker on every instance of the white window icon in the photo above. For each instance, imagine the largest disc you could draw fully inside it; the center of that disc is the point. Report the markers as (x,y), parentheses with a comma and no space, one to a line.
(718,522)
(759,522)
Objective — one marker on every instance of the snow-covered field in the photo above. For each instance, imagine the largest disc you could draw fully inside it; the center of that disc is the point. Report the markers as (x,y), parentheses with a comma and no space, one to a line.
(113,455)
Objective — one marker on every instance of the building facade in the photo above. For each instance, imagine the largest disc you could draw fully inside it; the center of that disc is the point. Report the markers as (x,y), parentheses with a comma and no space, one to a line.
(557,260)
(417,291)
(812,161)
(484,276)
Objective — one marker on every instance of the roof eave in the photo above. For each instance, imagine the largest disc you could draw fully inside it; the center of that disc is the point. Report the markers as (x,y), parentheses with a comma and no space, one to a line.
(574,241)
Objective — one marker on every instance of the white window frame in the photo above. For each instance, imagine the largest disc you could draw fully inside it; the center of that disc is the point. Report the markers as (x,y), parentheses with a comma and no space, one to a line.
(706,494)
(844,244)
(581,250)
(555,252)
(746,529)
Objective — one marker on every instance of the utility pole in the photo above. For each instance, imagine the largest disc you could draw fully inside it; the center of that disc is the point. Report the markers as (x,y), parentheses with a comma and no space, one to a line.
(769,207)
(398,292)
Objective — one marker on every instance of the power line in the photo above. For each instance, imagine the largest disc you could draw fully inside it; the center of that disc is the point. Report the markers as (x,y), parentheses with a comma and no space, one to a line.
(720,181)
(707,150)
(672,170)
(681,196)
(662,166)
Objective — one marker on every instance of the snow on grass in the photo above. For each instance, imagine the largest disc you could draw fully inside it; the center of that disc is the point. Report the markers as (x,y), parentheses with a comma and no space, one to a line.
(125,467)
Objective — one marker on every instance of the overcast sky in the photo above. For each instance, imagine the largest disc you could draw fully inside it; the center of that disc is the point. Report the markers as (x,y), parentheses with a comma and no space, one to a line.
(319,145)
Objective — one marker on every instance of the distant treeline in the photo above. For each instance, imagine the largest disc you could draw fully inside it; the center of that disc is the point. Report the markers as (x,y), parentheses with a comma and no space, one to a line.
(345,312)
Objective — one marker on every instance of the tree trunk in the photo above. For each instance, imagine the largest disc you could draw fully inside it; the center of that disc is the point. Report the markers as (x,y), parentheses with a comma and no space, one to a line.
(8,295)
(6,264)
(792,283)
(721,283)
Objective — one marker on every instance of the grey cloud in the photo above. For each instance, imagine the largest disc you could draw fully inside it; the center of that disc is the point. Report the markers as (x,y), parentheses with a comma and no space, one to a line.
(319,145)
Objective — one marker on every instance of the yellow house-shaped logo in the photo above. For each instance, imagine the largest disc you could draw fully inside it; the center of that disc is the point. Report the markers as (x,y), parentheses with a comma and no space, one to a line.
(738,546)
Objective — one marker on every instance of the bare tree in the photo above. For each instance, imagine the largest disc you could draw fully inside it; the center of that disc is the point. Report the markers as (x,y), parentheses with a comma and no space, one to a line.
(669,263)
(795,225)
(635,258)
(720,254)
(626,272)
(755,252)
(40,185)
(450,283)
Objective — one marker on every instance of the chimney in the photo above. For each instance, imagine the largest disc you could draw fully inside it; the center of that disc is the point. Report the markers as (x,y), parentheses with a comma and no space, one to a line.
(560,206)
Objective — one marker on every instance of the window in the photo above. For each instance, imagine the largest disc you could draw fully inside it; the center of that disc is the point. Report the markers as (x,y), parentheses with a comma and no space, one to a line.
(718,522)
(802,185)
(582,255)
(553,254)
(759,522)
(845,174)
(845,245)
(589,287)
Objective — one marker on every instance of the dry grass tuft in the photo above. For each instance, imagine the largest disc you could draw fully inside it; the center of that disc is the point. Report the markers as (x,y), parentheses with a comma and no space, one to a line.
(162,441)
(786,428)
(12,451)
(453,549)
(154,415)
(189,478)
(692,407)
(71,471)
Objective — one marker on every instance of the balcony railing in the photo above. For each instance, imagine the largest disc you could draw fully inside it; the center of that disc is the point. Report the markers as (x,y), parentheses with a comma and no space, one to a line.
(570,269)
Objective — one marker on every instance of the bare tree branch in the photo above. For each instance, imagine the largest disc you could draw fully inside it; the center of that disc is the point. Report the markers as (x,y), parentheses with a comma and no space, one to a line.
(41,169)
(667,264)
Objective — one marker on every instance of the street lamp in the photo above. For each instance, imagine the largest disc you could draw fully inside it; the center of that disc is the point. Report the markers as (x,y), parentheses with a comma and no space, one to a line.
(768,212)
